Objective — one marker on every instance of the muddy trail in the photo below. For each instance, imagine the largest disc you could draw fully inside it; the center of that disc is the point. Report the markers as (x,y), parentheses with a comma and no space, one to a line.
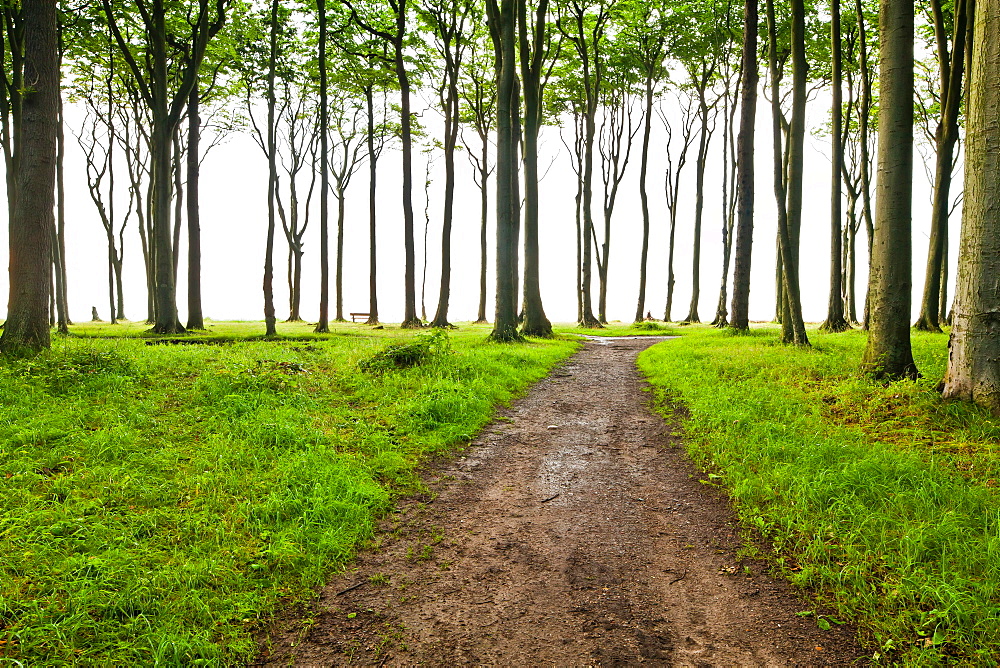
(573,532)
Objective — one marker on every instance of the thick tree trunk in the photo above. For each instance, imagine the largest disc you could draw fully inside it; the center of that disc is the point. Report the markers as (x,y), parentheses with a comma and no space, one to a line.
(888,353)
(974,358)
(535,322)
(270,319)
(195,318)
(745,179)
(835,321)
(27,327)
(503,20)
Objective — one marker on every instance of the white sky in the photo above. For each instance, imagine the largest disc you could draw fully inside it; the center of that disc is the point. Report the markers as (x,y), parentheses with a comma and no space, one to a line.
(234,218)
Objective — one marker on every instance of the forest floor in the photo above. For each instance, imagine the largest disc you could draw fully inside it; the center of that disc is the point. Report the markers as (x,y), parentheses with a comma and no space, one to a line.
(574,531)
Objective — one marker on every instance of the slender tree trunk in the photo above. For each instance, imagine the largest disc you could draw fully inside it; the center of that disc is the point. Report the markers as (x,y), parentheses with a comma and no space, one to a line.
(372,181)
(483,213)
(793,329)
(864,120)
(451,140)
(952,68)
(699,207)
(888,353)
(195,318)
(59,239)
(341,194)
(27,327)
(644,199)
(974,348)
(323,324)
(835,321)
(270,319)
(410,319)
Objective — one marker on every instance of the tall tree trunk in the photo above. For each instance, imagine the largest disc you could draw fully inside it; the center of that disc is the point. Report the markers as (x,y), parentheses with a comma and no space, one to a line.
(341,194)
(952,68)
(270,319)
(450,141)
(974,358)
(745,179)
(483,215)
(323,324)
(59,237)
(864,121)
(536,323)
(27,326)
(835,321)
(195,318)
(372,180)
(410,319)
(503,20)
(793,330)
(888,353)
(699,205)
(644,199)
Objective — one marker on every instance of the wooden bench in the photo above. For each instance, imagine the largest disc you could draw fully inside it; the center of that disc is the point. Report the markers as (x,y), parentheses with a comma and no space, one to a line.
(363,316)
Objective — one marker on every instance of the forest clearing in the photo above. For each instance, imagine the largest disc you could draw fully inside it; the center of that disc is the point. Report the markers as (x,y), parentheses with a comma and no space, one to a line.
(162,502)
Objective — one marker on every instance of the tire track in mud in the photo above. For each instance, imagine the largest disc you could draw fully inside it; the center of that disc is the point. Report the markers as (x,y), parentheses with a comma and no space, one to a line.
(573,532)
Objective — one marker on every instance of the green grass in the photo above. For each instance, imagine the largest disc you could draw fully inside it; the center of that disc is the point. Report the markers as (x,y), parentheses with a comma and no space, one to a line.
(159,502)
(882,498)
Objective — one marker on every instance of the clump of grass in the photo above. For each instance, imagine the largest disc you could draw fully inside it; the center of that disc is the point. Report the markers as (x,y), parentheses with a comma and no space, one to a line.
(158,502)
(648,326)
(880,498)
(402,355)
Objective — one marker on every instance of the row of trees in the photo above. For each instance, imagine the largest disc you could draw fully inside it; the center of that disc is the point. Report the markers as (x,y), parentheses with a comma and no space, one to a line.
(326,88)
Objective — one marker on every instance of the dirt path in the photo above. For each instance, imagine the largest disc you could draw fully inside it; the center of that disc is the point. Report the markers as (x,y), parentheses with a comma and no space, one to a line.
(573,533)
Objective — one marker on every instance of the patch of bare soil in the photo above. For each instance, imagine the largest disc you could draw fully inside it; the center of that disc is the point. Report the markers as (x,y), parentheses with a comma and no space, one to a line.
(574,532)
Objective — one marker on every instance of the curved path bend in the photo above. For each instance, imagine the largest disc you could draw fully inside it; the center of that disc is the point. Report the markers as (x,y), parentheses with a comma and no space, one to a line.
(574,532)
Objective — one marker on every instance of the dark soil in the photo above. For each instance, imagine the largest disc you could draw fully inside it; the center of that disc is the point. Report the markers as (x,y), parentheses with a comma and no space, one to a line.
(574,532)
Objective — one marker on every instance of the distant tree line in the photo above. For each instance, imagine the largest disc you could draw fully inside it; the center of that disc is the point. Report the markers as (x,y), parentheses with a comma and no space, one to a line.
(326,86)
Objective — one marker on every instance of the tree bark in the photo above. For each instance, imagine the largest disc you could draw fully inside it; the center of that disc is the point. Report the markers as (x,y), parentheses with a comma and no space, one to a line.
(974,358)
(535,322)
(745,178)
(888,354)
(640,308)
(195,318)
(952,68)
(27,327)
(372,240)
(835,321)
(270,319)
(323,324)
(502,29)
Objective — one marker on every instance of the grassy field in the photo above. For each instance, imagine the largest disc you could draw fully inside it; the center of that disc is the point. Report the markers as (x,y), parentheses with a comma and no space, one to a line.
(882,497)
(158,501)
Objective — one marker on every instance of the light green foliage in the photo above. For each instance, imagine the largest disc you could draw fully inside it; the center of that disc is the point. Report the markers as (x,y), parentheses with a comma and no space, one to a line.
(880,496)
(157,501)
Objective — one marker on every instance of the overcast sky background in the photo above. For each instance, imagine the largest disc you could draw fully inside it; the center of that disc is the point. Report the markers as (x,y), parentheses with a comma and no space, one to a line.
(234,223)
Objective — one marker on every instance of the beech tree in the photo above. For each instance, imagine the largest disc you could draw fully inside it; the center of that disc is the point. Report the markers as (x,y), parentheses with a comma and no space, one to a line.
(32,217)
(951,55)
(646,31)
(745,178)
(164,85)
(888,353)
(974,348)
